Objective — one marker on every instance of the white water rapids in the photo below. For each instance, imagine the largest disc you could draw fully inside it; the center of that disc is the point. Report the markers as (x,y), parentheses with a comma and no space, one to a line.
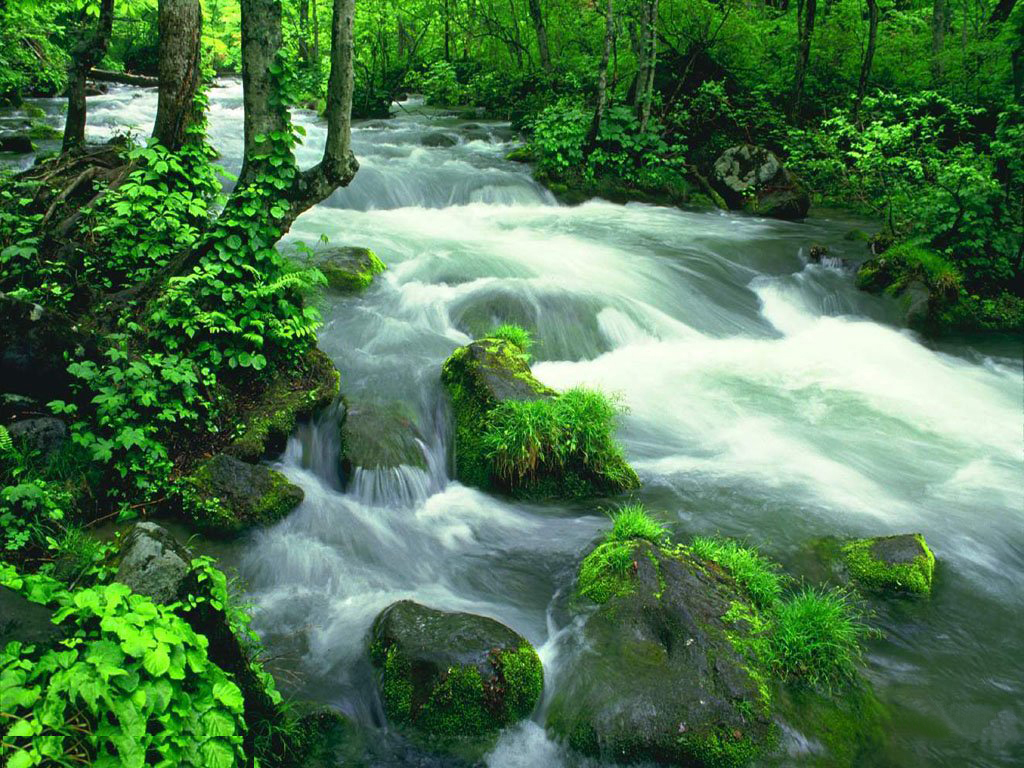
(767,399)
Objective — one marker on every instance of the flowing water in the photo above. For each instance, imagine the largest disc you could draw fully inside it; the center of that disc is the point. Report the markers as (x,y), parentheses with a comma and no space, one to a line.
(768,399)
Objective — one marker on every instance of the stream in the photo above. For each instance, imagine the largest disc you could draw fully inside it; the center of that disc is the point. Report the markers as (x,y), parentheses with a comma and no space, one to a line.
(767,399)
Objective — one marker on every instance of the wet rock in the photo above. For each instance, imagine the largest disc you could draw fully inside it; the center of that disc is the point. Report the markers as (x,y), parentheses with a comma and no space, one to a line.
(483,376)
(153,563)
(901,563)
(480,134)
(349,269)
(13,406)
(226,496)
(521,155)
(379,436)
(21,145)
(452,677)
(292,395)
(816,253)
(45,434)
(657,677)
(25,622)
(753,178)
(438,139)
(33,345)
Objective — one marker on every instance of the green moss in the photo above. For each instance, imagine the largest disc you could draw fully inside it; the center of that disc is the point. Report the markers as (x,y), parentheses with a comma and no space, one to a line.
(523,676)
(605,573)
(721,748)
(870,571)
(266,424)
(514,334)
(522,154)
(396,683)
(43,131)
(355,272)
(457,708)
(220,502)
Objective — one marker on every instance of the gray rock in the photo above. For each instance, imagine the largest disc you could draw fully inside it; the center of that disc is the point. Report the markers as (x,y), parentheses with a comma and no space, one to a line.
(46,434)
(438,139)
(752,177)
(153,563)
(25,622)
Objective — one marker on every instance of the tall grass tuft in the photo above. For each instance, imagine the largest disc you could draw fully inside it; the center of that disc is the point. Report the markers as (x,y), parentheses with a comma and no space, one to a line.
(632,521)
(752,572)
(516,335)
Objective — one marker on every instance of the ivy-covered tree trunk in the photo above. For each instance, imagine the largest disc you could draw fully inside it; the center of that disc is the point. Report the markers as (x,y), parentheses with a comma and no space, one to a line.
(869,53)
(602,81)
(86,54)
(542,34)
(181,25)
(805,11)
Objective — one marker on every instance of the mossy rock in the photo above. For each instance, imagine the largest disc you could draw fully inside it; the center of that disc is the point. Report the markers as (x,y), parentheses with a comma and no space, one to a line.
(293,394)
(490,372)
(379,436)
(902,563)
(658,678)
(44,131)
(453,679)
(521,154)
(225,496)
(851,725)
(349,269)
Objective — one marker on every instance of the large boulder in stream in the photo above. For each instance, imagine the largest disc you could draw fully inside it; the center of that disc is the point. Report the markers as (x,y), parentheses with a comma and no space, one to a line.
(377,435)
(515,435)
(753,178)
(452,679)
(349,269)
(657,676)
(225,496)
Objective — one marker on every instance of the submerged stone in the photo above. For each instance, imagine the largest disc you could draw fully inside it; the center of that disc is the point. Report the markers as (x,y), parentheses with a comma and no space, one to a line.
(657,677)
(454,679)
(379,436)
(226,496)
(349,269)
(438,139)
(901,563)
(492,373)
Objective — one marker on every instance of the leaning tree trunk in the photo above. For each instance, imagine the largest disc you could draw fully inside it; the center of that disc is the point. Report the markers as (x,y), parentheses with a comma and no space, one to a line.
(181,27)
(805,10)
(869,54)
(602,82)
(542,34)
(86,54)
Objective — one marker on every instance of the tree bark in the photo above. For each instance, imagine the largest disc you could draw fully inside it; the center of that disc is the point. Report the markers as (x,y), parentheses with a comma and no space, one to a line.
(88,51)
(938,38)
(805,10)
(181,24)
(651,61)
(869,54)
(602,82)
(542,34)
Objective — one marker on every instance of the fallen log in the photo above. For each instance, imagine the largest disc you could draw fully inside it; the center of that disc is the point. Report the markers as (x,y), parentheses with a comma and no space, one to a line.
(125,78)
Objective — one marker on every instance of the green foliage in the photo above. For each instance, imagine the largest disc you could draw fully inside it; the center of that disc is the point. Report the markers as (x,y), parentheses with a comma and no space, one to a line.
(604,573)
(815,637)
(754,573)
(439,83)
(632,521)
(526,438)
(30,511)
(130,685)
(6,444)
(514,334)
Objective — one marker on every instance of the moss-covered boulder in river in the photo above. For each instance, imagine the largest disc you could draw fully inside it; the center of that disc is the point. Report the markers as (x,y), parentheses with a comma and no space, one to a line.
(513,434)
(377,435)
(225,496)
(349,269)
(657,676)
(902,563)
(453,679)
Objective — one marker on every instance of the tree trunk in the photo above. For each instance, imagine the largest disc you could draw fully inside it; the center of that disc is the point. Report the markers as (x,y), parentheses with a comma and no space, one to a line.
(304,52)
(87,53)
(125,78)
(1002,11)
(602,82)
(180,23)
(542,34)
(805,10)
(316,36)
(869,54)
(651,60)
(938,38)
